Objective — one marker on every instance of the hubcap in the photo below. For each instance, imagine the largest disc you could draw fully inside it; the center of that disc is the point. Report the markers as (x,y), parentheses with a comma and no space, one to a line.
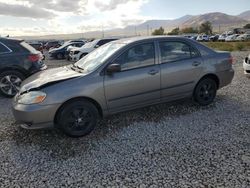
(79,119)
(10,84)
(206,92)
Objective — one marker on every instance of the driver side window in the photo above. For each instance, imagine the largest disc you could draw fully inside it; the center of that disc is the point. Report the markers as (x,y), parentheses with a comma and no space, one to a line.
(141,55)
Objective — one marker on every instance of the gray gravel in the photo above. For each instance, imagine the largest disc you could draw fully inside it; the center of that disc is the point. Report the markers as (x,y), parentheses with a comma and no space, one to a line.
(169,145)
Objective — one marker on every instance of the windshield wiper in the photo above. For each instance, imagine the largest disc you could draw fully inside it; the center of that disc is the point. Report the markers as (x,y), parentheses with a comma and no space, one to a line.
(80,67)
(77,68)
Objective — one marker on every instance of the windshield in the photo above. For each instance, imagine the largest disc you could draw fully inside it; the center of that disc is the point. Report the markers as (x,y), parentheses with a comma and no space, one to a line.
(93,60)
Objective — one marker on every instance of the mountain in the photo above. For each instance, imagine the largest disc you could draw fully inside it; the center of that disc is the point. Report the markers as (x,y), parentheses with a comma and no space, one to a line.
(216,18)
(221,22)
(168,23)
(245,15)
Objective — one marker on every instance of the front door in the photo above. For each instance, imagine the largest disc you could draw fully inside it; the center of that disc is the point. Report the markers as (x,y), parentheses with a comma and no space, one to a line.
(138,82)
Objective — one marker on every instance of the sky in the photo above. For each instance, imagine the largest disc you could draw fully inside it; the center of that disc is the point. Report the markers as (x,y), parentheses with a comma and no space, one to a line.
(42,17)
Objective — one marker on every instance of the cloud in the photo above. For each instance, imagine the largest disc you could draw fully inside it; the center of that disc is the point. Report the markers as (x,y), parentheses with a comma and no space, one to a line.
(70,16)
(24,11)
(59,5)
(112,4)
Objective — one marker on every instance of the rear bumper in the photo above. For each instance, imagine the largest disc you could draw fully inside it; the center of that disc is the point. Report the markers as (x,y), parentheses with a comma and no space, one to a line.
(36,67)
(225,77)
(34,116)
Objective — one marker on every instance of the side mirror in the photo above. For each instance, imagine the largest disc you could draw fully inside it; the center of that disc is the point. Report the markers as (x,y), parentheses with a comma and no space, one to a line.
(112,68)
(97,46)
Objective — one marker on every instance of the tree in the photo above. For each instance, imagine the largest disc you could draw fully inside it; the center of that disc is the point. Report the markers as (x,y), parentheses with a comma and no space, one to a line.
(206,27)
(175,31)
(189,30)
(247,26)
(159,31)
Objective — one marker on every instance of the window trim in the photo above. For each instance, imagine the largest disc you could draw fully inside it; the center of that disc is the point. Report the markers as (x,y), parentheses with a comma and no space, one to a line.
(136,44)
(10,51)
(173,61)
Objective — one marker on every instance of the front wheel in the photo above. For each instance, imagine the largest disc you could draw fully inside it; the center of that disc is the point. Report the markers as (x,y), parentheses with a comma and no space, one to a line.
(78,118)
(205,91)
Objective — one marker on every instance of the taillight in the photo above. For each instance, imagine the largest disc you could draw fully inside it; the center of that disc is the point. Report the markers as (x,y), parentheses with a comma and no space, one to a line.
(34,57)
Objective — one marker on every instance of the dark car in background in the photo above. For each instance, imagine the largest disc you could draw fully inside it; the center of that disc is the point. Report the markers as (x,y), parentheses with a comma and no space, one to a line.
(18,60)
(214,38)
(52,44)
(61,52)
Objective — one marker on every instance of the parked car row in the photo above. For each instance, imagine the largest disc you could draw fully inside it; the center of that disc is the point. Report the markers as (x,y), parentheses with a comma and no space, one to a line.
(62,51)
(228,37)
(76,54)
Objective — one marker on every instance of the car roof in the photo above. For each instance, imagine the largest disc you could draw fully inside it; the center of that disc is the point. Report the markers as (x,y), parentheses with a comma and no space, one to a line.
(142,38)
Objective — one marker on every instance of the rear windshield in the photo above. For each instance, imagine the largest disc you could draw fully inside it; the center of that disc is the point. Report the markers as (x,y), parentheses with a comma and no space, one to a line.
(28,47)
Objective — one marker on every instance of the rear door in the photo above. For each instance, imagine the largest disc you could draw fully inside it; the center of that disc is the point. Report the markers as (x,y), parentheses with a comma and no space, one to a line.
(138,83)
(181,66)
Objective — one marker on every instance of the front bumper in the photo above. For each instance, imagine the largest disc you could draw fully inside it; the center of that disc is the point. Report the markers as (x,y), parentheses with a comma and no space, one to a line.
(34,116)
(73,57)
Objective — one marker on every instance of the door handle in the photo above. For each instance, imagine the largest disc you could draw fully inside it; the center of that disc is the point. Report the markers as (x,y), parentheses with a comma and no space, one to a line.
(196,63)
(153,72)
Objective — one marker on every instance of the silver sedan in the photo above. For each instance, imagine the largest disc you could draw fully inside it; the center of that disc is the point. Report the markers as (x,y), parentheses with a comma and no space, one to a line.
(119,76)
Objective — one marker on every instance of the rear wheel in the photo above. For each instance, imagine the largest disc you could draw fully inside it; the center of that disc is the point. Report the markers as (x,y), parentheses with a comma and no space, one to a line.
(10,82)
(77,118)
(205,91)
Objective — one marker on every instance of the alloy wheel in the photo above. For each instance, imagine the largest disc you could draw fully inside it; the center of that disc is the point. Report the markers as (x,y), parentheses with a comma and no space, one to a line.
(79,119)
(10,84)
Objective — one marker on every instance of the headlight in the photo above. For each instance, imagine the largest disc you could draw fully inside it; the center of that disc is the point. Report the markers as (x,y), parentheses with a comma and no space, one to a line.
(33,97)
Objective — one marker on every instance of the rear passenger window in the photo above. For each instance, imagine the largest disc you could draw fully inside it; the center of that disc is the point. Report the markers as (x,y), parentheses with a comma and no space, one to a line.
(175,51)
(3,49)
(138,56)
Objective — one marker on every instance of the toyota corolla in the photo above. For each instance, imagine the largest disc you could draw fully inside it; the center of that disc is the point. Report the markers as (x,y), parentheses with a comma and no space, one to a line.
(120,76)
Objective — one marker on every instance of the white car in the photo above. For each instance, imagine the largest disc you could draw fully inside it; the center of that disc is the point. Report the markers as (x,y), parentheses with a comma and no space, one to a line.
(246,66)
(77,53)
(243,37)
(202,38)
(231,37)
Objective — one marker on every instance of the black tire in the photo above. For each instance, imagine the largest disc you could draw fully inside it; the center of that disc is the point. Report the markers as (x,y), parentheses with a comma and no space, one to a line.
(59,56)
(77,118)
(205,91)
(10,82)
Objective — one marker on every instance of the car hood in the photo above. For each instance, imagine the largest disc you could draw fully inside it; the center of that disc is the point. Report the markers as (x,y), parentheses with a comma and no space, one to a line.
(82,49)
(48,77)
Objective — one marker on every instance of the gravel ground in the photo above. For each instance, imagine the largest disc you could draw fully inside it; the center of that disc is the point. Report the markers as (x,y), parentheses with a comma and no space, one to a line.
(169,145)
